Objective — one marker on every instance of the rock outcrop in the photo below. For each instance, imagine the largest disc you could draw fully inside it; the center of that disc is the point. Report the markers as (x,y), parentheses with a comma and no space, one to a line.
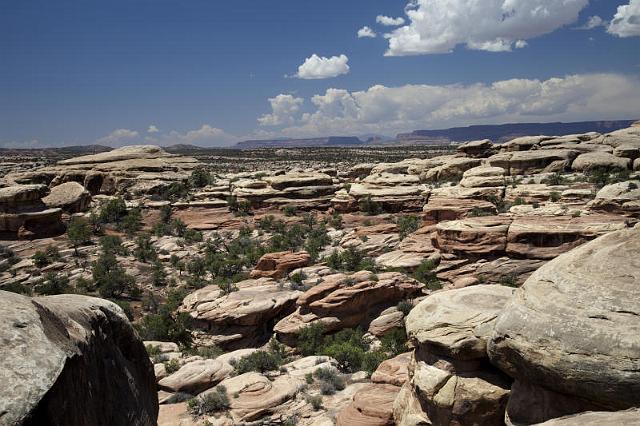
(342,301)
(138,169)
(278,265)
(70,197)
(241,318)
(451,381)
(24,215)
(570,335)
(72,360)
(371,406)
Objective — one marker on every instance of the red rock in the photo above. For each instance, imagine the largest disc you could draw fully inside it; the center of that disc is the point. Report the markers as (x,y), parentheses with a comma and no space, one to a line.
(278,265)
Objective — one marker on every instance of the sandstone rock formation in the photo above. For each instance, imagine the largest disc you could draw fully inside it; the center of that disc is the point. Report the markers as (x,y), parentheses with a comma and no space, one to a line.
(139,169)
(570,335)
(241,318)
(279,264)
(450,380)
(70,196)
(342,301)
(24,215)
(72,360)
(371,406)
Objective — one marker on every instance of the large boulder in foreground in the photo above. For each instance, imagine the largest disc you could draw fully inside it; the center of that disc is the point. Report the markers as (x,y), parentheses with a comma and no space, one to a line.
(572,332)
(72,360)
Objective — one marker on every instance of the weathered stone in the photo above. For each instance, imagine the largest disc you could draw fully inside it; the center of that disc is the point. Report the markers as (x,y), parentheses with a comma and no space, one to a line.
(342,301)
(457,323)
(279,264)
(600,160)
(573,327)
(527,162)
(626,418)
(481,148)
(440,209)
(483,176)
(71,197)
(393,371)
(479,235)
(371,406)
(240,318)
(69,348)
(196,376)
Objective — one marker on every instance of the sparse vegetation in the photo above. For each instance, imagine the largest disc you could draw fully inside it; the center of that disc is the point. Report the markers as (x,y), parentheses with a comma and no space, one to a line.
(370,207)
(426,275)
(79,232)
(407,225)
(211,402)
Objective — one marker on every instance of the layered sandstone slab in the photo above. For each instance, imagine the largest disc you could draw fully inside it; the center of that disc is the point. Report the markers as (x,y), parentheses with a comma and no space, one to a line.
(58,349)
(573,330)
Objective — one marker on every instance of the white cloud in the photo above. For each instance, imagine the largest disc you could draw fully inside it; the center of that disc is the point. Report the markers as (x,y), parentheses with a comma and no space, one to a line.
(389,21)
(626,21)
(366,32)
(284,109)
(205,135)
(593,22)
(438,26)
(389,110)
(119,137)
(152,129)
(316,67)
(521,44)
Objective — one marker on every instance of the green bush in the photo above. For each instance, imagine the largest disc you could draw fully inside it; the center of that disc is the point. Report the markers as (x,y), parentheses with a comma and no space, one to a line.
(110,278)
(113,211)
(144,251)
(79,232)
(370,207)
(426,275)
(371,361)
(113,244)
(289,210)
(315,401)
(405,307)
(331,382)
(40,259)
(349,260)
(212,402)
(53,284)
(394,342)
(15,287)
(554,196)
(407,225)
(171,366)
(132,222)
(200,177)
(260,361)
(310,339)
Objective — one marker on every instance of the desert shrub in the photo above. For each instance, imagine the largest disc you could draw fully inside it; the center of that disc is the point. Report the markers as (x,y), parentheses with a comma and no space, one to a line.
(212,402)
(519,201)
(555,179)
(426,275)
(315,401)
(407,225)
(53,284)
(405,307)
(371,361)
(370,207)
(113,211)
(508,280)
(478,212)
(350,259)
(298,278)
(109,277)
(554,196)
(200,177)
(175,191)
(347,347)
(40,259)
(132,222)
(336,220)
(331,381)
(394,342)
(144,251)
(266,223)
(289,210)
(310,339)
(260,361)
(172,366)
(602,176)
(308,378)
(15,287)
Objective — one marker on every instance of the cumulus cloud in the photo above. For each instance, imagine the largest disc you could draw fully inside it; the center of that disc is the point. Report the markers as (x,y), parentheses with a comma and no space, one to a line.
(389,110)
(152,129)
(389,21)
(284,110)
(366,32)
(316,67)
(593,22)
(205,135)
(438,26)
(119,137)
(626,21)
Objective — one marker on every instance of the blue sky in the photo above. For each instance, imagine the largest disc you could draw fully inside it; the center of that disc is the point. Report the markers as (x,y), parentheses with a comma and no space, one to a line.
(86,71)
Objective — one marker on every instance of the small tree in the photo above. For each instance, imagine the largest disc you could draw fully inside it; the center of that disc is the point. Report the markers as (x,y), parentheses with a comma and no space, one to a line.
(144,250)
(111,278)
(79,232)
